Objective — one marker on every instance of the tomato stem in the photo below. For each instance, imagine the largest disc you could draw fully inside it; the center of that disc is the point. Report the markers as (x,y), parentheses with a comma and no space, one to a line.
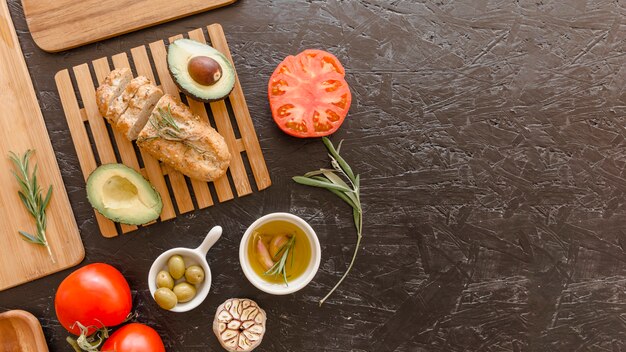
(73,343)
(89,343)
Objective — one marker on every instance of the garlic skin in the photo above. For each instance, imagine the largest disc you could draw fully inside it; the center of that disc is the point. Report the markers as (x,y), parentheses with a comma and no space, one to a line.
(239,324)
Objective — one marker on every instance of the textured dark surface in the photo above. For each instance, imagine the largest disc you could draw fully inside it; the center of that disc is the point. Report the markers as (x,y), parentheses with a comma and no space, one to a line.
(491,142)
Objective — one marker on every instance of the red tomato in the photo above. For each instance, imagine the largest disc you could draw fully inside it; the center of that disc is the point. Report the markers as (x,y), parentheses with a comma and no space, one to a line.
(134,337)
(94,295)
(309,96)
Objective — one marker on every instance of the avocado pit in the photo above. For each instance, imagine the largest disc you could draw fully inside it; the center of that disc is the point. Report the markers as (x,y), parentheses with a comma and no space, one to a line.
(200,71)
(204,70)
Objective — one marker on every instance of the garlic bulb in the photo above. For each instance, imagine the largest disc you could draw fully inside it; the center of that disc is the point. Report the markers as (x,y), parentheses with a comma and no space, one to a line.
(239,324)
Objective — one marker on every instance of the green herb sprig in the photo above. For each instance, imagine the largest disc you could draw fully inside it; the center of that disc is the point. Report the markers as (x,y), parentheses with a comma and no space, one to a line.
(349,192)
(167,128)
(280,267)
(30,194)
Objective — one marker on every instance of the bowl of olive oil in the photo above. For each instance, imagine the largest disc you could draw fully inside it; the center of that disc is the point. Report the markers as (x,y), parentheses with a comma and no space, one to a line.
(280,253)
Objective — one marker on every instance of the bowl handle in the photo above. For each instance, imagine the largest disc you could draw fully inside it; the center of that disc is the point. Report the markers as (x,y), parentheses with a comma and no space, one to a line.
(210,239)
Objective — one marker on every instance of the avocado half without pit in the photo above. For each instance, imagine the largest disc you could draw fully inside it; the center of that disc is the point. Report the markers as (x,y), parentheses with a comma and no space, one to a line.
(200,71)
(123,195)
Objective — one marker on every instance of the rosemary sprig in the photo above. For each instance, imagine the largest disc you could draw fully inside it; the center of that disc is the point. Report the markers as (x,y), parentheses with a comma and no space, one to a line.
(167,128)
(280,267)
(331,179)
(30,194)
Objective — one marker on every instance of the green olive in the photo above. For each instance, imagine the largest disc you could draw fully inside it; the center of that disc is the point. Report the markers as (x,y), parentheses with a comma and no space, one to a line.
(184,292)
(176,266)
(164,279)
(165,298)
(194,274)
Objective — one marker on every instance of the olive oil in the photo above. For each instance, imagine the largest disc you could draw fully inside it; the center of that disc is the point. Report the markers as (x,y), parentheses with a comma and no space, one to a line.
(299,255)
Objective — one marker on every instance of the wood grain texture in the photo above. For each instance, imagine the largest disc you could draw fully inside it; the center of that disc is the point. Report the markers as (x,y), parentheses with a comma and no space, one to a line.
(76,122)
(20,331)
(154,66)
(152,165)
(490,140)
(179,186)
(21,128)
(65,24)
(242,114)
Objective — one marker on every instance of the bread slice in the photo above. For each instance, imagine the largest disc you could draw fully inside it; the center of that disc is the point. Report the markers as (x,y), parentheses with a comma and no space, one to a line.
(120,104)
(139,110)
(190,146)
(111,88)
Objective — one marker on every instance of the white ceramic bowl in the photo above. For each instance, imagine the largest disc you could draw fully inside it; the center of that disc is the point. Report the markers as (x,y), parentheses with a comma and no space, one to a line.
(195,256)
(294,285)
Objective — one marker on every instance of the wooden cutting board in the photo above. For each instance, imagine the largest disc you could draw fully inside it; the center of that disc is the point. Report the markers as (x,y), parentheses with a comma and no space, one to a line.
(20,331)
(22,127)
(64,24)
(230,117)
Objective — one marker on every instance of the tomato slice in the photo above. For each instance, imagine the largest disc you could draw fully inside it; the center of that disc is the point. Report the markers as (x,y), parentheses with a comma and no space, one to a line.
(309,95)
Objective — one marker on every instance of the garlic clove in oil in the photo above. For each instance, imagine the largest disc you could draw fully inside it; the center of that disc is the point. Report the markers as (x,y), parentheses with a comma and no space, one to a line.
(263,254)
(277,243)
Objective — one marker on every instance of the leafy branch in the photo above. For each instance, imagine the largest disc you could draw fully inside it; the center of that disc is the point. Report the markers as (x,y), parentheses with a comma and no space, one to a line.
(30,194)
(333,181)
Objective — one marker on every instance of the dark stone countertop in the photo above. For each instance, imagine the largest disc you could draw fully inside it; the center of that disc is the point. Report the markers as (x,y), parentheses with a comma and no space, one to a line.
(491,143)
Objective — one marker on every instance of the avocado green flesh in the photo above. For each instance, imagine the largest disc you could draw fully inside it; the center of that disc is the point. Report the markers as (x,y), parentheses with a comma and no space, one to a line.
(178,55)
(123,195)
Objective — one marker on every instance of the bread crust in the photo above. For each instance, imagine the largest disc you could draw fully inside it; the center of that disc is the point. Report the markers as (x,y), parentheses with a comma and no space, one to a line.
(120,104)
(197,150)
(202,154)
(132,121)
(111,88)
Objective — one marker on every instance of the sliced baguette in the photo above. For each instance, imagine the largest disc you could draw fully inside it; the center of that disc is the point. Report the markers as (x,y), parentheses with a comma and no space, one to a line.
(120,104)
(200,153)
(139,110)
(111,88)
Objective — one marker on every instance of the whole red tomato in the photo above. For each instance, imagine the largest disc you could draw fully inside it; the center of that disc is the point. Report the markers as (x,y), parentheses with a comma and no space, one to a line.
(134,337)
(94,295)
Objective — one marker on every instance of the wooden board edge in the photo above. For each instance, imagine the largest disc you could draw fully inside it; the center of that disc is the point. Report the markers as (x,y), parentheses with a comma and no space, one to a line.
(9,35)
(37,38)
(33,323)
(78,260)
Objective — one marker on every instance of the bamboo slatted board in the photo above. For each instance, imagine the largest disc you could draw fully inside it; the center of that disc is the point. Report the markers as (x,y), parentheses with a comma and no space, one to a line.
(109,146)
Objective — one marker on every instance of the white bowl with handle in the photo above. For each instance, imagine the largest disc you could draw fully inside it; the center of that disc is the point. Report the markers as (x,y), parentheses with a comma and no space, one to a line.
(195,256)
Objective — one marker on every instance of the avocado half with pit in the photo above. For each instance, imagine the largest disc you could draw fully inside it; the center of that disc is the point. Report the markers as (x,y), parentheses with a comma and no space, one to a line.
(200,71)
(123,195)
